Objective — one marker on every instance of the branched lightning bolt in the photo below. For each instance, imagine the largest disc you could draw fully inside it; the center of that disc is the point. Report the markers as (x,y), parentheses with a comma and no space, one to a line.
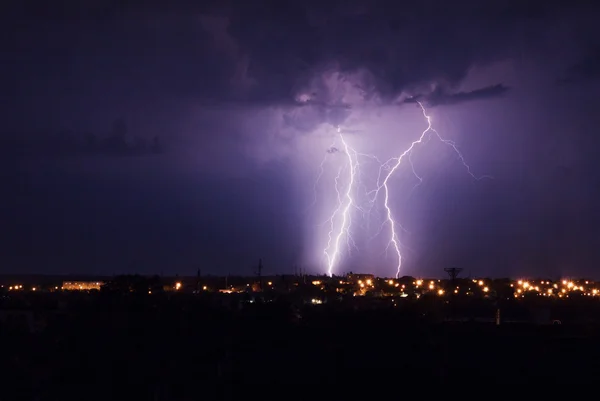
(346,201)
(395,164)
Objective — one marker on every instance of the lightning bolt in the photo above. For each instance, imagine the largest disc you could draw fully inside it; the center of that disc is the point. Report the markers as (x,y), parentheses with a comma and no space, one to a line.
(346,201)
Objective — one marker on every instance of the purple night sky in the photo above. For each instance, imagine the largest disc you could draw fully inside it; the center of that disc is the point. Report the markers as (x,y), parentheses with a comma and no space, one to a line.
(166,139)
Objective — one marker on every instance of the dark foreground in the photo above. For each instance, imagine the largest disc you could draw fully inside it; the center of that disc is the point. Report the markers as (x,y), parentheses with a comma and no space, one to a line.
(121,348)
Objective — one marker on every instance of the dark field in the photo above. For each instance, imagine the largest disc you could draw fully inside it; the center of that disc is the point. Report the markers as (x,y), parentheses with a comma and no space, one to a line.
(123,348)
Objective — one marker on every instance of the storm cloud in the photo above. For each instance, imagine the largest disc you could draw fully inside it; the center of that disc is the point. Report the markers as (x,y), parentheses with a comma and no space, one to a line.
(440,98)
(247,97)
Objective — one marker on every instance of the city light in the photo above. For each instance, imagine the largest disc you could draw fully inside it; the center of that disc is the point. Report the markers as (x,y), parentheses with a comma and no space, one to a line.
(374,287)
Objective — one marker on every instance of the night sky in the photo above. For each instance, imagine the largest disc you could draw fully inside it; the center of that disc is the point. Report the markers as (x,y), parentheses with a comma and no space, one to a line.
(173,138)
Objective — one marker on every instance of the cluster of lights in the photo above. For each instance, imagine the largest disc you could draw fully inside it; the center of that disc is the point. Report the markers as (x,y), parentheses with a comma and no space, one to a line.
(421,286)
(81,285)
(18,287)
(367,283)
(543,288)
(481,284)
(549,289)
(432,286)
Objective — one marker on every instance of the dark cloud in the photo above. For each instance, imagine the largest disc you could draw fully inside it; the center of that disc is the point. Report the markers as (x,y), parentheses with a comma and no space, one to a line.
(399,48)
(440,98)
(330,58)
(267,51)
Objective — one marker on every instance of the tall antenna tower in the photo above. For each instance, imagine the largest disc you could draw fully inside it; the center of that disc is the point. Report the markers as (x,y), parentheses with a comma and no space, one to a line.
(453,272)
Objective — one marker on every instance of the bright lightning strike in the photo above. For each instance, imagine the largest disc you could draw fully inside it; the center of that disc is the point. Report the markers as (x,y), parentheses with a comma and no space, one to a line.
(346,200)
(394,240)
(344,205)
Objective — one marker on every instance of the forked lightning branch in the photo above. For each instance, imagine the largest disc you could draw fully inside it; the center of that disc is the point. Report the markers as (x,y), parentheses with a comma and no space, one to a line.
(339,223)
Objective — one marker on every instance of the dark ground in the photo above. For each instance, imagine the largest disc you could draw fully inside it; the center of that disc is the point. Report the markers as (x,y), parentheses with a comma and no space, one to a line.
(130,348)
